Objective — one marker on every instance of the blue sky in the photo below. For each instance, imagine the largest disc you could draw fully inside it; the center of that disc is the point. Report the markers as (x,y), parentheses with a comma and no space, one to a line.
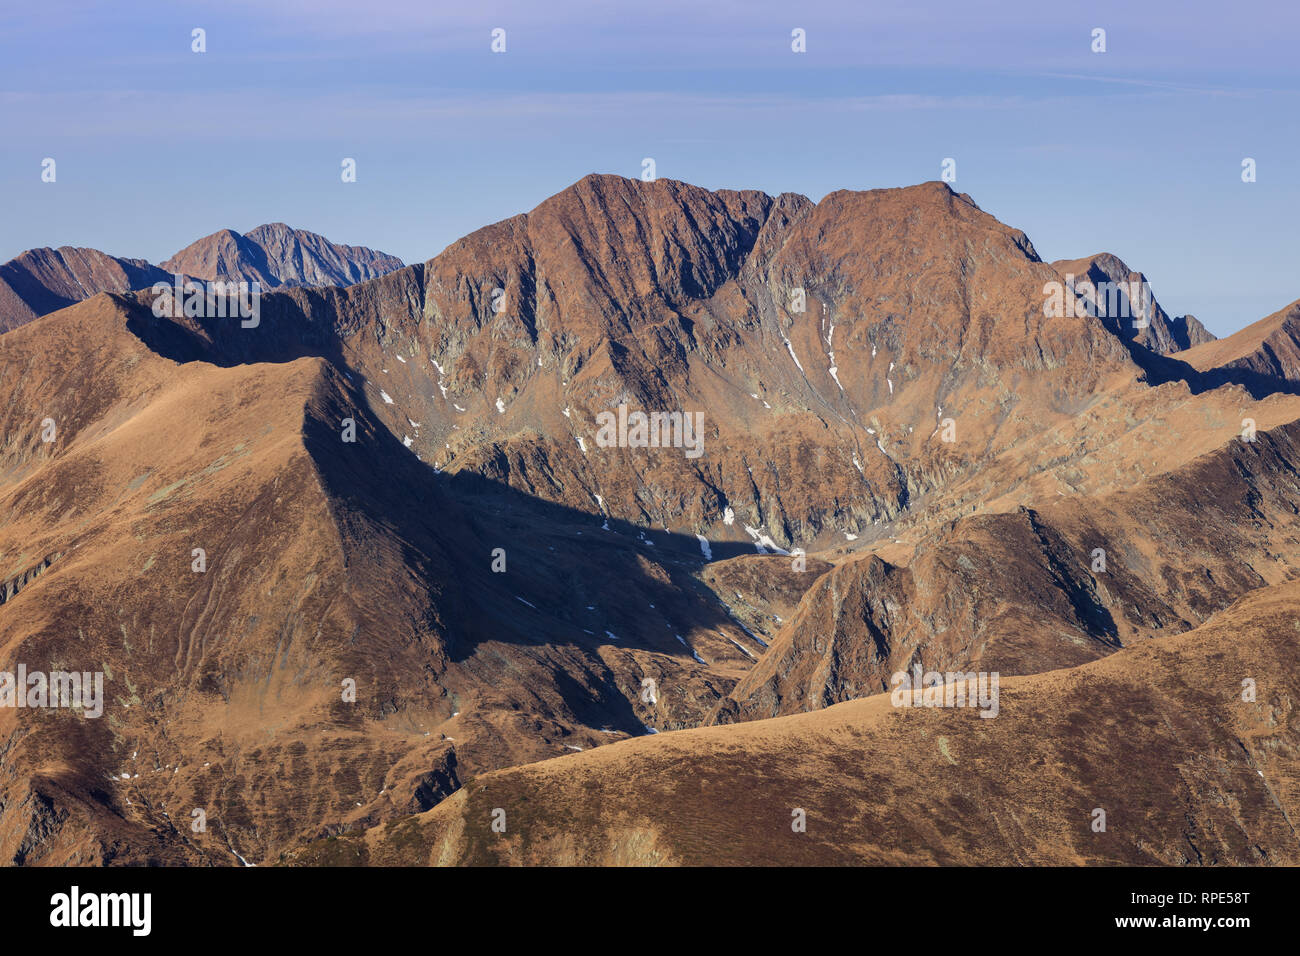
(1135,151)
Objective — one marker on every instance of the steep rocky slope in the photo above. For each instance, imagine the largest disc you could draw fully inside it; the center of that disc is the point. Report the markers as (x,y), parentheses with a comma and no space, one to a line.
(818,424)
(1121,297)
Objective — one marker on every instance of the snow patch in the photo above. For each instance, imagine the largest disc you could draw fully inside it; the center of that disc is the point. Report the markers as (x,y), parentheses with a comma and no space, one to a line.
(763,543)
(697,657)
(790,348)
(743,649)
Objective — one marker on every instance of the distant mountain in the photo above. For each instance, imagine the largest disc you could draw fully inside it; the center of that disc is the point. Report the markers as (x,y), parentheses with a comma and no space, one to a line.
(1104,271)
(276,255)
(41,281)
(45,280)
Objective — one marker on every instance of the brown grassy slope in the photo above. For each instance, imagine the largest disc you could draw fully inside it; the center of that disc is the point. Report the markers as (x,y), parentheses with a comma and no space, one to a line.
(213,679)
(1269,347)
(1158,736)
(325,561)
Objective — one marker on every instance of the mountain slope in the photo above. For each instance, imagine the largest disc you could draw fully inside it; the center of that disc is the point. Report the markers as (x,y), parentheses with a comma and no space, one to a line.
(276,255)
(878,385)
(1267,351)
(41,281)
(44,280)
(1027,591)
(325,561)
(1139,319)
(1158,737)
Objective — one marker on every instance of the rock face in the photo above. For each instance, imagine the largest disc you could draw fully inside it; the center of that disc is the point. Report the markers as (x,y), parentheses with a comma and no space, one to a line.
(342,566)
(41,281)
(823,345)
(1122,299)
(276,255)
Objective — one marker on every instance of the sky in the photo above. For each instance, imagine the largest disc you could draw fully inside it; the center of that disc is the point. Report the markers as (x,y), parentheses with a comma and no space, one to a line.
(1136,150)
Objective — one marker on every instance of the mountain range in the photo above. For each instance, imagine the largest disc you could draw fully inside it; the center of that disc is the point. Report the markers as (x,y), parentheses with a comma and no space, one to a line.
(40,281)
(369,583)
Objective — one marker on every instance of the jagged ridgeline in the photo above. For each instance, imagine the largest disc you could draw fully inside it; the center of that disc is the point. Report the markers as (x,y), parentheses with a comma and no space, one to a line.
(405,551)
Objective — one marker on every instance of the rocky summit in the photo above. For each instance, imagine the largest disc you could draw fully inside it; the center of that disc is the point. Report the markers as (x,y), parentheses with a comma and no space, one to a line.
(655,525)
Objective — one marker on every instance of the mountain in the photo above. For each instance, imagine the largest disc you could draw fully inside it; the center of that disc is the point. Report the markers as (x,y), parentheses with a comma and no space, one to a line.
(1121,297)
(1158,738)
(1267,351)
(41,281)
(1021,592)
(276,255)
(668,297)
(431,562)
(45,280)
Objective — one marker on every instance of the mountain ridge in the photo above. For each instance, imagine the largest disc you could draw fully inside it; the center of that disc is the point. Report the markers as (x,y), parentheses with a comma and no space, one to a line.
(399,483)
(40,281)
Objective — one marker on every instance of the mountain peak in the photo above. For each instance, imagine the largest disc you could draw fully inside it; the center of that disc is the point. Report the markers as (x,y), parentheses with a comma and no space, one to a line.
(275,254)
(1112,283)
